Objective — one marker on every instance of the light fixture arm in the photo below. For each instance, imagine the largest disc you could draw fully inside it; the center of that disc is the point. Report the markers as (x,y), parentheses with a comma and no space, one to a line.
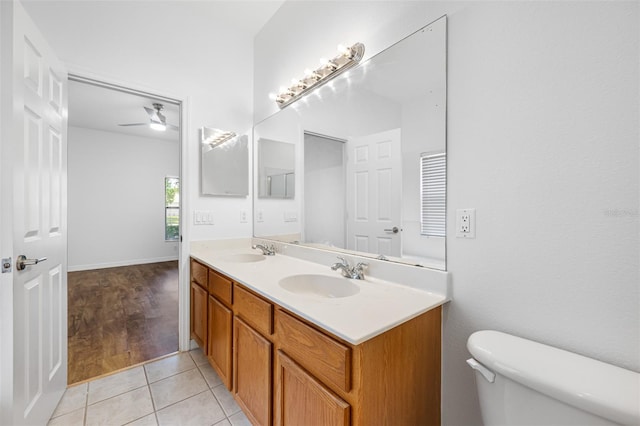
(330,69)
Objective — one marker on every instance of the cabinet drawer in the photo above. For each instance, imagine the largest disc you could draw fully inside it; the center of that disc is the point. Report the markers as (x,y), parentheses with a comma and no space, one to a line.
(254,310)
(321,355)
(221,287)
(199,273)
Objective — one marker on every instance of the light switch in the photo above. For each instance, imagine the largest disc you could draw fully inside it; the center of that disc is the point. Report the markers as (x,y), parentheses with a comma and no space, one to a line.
(290,216)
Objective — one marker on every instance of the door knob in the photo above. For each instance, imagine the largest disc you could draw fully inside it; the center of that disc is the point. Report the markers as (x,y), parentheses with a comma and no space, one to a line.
(23,262)
(392,230)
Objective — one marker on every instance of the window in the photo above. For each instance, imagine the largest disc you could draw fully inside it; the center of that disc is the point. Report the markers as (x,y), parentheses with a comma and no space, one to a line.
(433,187)
(171,208)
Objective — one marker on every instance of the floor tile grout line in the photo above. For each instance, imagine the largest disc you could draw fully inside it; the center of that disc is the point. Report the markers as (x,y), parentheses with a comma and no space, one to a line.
(86,406)
(173,375)
(214,397)
(148,384)
(220,402)
(184,399)
(116,395)
(153,403)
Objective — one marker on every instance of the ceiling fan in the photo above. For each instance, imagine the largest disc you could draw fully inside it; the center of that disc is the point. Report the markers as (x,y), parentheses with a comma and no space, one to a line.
(157,121)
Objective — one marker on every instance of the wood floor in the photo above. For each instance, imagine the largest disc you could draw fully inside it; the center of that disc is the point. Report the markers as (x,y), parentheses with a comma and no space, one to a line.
(120,317)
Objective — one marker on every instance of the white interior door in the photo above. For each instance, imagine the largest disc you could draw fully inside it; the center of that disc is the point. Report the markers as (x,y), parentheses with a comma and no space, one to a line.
(374,193)
(36,156)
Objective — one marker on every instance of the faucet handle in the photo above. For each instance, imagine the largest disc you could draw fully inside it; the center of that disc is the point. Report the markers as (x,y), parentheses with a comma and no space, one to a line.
(343,260)
(358,271)
(361,265)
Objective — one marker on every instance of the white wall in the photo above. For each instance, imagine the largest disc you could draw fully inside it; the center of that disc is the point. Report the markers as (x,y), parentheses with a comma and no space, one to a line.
(116,199)
(542,140)
(183,51)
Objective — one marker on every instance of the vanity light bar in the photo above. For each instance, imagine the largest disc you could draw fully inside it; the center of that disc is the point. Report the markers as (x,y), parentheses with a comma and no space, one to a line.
(215,137)
(329,69)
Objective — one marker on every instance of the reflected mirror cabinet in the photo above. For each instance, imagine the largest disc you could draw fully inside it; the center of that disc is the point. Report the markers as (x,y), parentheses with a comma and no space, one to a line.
(359,165)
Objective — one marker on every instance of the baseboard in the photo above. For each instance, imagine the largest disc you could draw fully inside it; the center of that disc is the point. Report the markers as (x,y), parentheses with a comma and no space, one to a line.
(76,268)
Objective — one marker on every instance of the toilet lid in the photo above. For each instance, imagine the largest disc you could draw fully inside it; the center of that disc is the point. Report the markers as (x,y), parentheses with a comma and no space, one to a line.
(588,384)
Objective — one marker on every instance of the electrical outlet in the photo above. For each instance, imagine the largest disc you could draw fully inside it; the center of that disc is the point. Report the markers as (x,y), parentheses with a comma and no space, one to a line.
(466,223)
(243,216)
(260,216)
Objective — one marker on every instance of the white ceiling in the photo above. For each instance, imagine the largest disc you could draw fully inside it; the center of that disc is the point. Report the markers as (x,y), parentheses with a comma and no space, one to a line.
(100,108)
(149,27)
(244,15)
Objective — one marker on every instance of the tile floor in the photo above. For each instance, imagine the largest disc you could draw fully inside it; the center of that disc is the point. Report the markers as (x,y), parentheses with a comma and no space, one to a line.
(179,390)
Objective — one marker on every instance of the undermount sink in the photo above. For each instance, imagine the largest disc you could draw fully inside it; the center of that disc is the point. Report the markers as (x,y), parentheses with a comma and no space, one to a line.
(243,257)
(319,285)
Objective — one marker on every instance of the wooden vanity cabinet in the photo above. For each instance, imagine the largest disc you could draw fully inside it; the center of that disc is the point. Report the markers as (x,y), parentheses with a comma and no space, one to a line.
(285,371)
(301,399)
(220,326)
(390,379)
(253,355)
(252,373)
(220,340)
(199,304)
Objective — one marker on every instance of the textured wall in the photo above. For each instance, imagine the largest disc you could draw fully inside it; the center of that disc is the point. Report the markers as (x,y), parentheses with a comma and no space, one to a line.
(542,141)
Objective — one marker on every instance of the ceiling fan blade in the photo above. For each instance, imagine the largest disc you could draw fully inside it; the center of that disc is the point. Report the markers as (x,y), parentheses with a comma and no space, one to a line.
(172,127)
(134,124)
(153,114)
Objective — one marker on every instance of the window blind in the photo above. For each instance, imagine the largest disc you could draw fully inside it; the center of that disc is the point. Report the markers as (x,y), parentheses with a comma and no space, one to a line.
(433,186)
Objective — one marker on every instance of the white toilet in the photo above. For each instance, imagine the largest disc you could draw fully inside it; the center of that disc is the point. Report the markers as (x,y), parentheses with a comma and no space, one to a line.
(521,382)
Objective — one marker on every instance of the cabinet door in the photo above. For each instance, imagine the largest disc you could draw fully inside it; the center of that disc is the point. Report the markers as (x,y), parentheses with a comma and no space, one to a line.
(199,315)
(252,373)
(220,343)
(302,400)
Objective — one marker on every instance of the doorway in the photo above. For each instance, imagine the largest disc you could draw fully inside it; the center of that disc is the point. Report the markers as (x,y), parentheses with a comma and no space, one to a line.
(124,151)
(324,185)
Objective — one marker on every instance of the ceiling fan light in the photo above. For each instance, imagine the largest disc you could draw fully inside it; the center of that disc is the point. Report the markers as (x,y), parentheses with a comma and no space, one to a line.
(158,126)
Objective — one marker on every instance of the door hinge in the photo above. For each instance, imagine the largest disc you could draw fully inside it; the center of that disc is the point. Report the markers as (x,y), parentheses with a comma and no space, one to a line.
(6,265)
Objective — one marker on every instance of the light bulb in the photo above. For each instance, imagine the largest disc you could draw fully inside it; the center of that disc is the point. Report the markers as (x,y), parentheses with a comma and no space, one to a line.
(273,96)
(343,49)
(158,126)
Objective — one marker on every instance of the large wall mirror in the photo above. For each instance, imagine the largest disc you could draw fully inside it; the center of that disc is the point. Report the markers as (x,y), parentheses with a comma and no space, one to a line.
(370,158)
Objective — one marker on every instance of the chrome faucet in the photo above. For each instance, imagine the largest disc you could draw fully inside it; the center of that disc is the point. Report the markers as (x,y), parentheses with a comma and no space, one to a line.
(356,272)
(266,250)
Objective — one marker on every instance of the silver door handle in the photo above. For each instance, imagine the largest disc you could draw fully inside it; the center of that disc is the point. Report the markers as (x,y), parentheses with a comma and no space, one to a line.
(23,262)
(394,230)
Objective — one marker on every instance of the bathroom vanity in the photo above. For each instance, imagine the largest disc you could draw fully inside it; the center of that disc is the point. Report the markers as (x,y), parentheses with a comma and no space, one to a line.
(372,357)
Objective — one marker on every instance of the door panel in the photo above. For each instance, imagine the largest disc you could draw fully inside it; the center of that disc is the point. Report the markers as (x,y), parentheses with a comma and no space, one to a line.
(303,400)
(374,190)
(252,372)
(220,339)
(38,132)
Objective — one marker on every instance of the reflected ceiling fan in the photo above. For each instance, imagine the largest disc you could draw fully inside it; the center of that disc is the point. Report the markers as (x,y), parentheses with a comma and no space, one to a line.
(157,121)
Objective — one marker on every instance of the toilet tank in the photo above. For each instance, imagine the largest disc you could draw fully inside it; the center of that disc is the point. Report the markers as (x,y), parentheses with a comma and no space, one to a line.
(521,382)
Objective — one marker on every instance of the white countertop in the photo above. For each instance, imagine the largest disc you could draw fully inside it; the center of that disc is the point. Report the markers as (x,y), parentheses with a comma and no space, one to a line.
(377,307)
